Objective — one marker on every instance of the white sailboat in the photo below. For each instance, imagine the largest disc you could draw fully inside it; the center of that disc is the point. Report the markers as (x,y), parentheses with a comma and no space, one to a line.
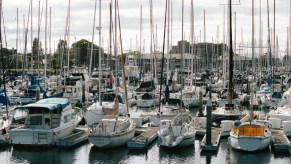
(112,131)
(178,132)
(250,135)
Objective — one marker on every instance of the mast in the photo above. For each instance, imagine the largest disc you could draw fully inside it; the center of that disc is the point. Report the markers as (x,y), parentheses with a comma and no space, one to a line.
(151,32)
(31,35)
(99,53)
(163,57)
(269,45)
(2,59)
(260,44)
(230,83)
(140,35)
(182,54)
(17,38)
(289,33)
(168,46)
(45,47)
(123,63)
(110,33)
(68,34)
(274,44)
(38,42)
(253,55)
(192,37)
(92,44)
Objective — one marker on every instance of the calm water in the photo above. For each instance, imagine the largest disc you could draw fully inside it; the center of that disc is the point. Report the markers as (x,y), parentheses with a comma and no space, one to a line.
(84,154)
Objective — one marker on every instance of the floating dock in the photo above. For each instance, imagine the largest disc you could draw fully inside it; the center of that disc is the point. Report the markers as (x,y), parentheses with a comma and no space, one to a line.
(280,142)
(143,140)
(80,135)
(215,139)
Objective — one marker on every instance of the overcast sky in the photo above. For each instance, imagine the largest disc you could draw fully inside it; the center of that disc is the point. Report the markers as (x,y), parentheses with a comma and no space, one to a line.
(82,14)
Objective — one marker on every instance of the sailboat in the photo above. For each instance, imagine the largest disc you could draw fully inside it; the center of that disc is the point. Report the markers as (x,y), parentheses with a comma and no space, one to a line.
(250,135)
(228,111)
(180,131)
(112,131)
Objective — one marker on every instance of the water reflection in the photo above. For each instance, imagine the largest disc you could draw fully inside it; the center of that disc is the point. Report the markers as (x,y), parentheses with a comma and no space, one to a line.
(36,155)
(242,157)
(181,155)
(107,156)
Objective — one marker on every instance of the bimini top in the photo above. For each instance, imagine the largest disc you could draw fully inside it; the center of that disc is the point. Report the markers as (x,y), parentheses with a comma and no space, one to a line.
(49,103)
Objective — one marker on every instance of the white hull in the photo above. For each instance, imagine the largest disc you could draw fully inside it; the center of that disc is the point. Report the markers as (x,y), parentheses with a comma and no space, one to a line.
(41,137)
(111,133)
(191,102)
(147,103)
(110,140)
(249,143)
(181,141)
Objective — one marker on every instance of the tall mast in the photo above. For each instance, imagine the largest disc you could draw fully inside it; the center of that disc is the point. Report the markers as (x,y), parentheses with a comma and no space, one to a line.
(31,35)
(45,47)
(68,34)
(99,53)
(182,53)
(253,55)
(230,71)
(140,35)
(17,38)
(260,44)
(151,32)
(110,31)
(289,45)
(2,58)
(168,45)
(38,42)
(192,37)
(92,44)
(269,44)
(274,44)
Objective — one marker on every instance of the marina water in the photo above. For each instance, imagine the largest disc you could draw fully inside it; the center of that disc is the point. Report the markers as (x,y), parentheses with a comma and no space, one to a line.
(85,153)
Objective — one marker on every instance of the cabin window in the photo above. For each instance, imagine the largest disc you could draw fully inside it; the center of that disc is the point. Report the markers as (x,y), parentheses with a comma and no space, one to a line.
(67,118)
(35,120)
(47,121)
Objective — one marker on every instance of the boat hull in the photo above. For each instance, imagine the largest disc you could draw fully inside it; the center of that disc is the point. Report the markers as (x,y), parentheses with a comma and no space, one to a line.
(39,137)
(182,141)
(249,143)
(110,140)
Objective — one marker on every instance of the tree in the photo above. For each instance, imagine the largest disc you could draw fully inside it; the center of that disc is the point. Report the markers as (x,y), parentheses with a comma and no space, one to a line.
(38,54)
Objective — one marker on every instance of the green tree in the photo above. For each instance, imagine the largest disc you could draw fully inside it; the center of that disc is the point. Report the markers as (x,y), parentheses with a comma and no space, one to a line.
(38,54)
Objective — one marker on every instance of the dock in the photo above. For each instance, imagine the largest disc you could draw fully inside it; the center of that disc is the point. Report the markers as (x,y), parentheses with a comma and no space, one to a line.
(144,139)
(280,142)
(215,139)
(80,135)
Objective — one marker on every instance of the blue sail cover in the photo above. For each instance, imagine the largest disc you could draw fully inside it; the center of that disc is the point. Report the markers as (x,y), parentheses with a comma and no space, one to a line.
(4,100)
(34,82)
